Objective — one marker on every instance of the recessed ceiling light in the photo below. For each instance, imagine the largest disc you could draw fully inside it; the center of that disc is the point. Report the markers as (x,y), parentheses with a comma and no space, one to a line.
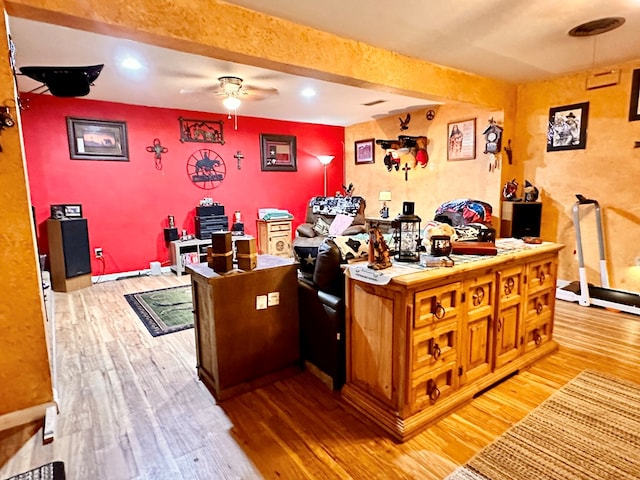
(308,92)
(131,63)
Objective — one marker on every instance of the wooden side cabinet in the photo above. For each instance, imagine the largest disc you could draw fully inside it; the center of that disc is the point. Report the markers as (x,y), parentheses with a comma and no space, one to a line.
(274,237)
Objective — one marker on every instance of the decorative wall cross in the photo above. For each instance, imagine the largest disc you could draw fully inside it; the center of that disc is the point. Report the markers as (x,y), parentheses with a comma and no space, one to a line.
(157,149)
(406,169)
(239,156)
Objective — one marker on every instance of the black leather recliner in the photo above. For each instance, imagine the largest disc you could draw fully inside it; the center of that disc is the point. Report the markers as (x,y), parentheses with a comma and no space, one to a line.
(321,314)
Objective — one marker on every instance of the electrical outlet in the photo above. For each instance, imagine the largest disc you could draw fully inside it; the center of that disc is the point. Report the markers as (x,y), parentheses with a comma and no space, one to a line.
(98,252)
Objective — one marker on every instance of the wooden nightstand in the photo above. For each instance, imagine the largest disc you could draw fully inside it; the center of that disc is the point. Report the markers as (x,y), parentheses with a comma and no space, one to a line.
(274,237)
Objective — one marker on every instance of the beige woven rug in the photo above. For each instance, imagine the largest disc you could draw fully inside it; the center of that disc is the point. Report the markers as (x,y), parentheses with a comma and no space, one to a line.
(589,429)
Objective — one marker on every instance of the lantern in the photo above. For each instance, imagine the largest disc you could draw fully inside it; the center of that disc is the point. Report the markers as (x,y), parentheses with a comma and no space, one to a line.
(407,234)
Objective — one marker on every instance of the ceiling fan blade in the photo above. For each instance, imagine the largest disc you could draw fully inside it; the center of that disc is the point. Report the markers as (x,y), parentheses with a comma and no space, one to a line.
(206,90)
(253,90)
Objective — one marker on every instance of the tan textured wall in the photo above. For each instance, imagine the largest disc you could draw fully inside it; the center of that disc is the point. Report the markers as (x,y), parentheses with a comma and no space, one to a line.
(608,170)
(24,365)
(440,180)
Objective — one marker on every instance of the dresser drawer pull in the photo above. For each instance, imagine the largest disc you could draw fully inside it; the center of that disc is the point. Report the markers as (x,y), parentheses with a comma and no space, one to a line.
(539,308)
(542,277)
(537,337)
(508,286)
(439,311)
(432,390)
(499,324)
(478,296)
(436,351)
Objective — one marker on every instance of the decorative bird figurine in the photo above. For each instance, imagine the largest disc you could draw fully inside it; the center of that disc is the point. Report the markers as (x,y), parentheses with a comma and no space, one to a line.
(404,124)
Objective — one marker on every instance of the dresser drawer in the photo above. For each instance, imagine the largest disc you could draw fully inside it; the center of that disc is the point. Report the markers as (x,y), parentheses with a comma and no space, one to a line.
(280,227)
(539,304)
(541,275)
(432,386)
(435,346)
(436,305)
(538,333)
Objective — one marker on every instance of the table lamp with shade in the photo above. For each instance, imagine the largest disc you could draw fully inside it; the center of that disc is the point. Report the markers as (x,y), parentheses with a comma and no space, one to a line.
(325,160)
(385,196)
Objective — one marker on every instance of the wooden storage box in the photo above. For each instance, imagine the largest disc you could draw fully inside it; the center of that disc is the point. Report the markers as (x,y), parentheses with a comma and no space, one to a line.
(221,242)
(247,261)
(246,246)
(219,262)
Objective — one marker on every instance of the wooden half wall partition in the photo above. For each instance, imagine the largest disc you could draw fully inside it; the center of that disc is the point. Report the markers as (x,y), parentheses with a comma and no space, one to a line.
(26,392)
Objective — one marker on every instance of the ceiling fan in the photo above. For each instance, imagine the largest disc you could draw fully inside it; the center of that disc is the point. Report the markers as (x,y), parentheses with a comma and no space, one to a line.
(233,90)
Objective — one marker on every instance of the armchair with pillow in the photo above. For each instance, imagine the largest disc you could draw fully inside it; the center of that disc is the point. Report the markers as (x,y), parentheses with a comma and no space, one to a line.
(330,216)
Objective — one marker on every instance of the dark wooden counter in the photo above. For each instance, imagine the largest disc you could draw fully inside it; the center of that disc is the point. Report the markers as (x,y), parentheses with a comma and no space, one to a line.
(246,325)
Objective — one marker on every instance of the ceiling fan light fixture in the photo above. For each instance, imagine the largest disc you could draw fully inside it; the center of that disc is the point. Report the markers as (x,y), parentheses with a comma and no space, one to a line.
(231,102)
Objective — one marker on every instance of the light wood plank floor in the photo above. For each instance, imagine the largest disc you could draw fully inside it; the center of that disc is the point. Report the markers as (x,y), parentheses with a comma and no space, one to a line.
(132,406)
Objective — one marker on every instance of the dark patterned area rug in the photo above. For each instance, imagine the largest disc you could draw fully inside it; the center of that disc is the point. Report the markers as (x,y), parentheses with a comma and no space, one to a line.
(50,471)
(165,310)
(590,428)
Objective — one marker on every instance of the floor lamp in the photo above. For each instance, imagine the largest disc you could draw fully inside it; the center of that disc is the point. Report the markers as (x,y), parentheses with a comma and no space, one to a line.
(325,160)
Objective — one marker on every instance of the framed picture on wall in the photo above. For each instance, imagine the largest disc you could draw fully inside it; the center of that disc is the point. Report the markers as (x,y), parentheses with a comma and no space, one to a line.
(634,105)
(278,153)
(568,127)
(365,151)
(461,142)
(97,139)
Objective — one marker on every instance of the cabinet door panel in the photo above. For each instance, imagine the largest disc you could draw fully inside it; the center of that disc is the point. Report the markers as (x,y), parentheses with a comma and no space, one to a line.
(477,350)
(437,304)
(508,334)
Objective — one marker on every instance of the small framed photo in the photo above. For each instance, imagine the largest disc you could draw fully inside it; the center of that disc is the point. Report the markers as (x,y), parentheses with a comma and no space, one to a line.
(568,127)
(278,153)
(97,139)
(634,105)
(365,151)
(461,144)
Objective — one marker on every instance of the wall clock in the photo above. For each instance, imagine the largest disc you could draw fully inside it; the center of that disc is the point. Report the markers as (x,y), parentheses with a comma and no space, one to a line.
(206,169)
(493,137)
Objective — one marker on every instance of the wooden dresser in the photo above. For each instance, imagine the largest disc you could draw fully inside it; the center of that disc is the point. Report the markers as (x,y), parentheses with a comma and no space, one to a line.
(427,342)
(246,325)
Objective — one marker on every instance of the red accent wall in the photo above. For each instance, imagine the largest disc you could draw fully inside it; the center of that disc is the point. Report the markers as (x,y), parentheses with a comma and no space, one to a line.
(127,203)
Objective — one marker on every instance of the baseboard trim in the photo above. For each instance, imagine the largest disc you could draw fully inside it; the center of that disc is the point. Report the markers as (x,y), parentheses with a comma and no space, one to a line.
(119,276)
(24,416)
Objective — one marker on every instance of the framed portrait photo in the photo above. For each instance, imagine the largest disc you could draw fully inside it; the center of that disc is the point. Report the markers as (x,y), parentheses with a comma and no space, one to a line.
(634,104)
(365,151)
(461,141)
(568,127)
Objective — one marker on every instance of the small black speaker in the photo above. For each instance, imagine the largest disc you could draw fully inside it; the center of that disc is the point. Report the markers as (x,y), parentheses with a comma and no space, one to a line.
(408,208)
(170,234)
(75,247)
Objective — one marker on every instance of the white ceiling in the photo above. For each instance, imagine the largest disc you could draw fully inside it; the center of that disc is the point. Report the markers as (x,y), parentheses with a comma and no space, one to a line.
(504,39)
